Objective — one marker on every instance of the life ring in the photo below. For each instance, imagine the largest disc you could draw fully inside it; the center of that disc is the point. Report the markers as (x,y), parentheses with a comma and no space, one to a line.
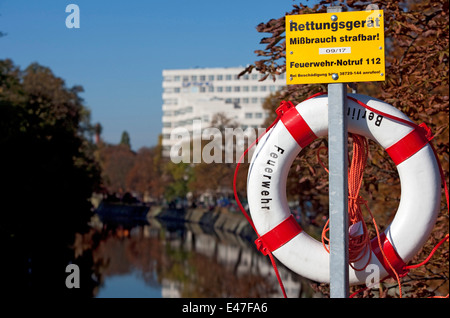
(417,167)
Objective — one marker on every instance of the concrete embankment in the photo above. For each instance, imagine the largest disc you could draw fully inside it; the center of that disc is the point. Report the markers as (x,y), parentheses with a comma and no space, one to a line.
(218,218)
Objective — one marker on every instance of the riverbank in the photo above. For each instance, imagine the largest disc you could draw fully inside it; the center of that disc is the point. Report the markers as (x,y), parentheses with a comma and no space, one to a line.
(217,218)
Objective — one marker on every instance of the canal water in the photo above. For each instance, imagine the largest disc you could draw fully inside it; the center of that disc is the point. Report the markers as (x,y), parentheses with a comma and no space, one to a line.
(152,259)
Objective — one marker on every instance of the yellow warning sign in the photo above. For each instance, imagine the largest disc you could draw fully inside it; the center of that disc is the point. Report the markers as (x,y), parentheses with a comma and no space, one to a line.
(335,47)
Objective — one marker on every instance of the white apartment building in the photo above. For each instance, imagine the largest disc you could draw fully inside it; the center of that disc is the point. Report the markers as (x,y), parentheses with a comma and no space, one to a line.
(200,93)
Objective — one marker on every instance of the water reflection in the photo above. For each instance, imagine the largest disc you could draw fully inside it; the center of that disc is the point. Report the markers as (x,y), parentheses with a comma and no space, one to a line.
(130,285)
(170,260)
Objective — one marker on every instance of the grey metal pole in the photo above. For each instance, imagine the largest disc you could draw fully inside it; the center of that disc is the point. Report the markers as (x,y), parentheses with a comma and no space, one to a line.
(338,185)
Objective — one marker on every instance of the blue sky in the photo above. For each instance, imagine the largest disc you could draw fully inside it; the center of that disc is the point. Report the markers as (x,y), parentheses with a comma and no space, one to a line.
(121,48)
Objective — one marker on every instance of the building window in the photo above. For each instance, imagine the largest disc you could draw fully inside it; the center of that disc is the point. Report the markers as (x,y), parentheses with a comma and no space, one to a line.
(202,89)
(210,89)
(258,115)
(245,100)
(211,78)
(219,89)
(245,88)
(228,77)
(254,100)
(177,78)
(237,88)
(254,88)
(248,115)
(263,88)
(220,77)
(202,78)
(167,124)
(228,89)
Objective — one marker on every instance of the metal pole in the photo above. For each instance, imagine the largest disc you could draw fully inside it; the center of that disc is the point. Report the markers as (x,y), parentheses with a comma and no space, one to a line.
(338,185)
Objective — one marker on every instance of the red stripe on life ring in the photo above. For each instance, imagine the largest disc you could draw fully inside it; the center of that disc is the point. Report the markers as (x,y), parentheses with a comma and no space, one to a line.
(391,254)
(410,144)
(279,235)
(298,127)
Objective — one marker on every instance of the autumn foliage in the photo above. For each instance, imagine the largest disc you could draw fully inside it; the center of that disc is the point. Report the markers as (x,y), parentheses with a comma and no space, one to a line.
(416,83)
(123,170)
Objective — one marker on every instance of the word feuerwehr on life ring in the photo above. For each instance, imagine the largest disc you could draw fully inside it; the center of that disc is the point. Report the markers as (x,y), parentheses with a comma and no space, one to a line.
(408,147)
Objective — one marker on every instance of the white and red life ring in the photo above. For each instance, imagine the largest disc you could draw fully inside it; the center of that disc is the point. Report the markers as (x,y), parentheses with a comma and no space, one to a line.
(417,167)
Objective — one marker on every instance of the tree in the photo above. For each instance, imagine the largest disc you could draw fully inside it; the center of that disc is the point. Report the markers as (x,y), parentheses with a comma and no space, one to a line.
(216,177)
(416,83)
(48,175)
(145,176)
(180,175)
(116,162)
(98,131)
(42,133)
(142,173)
(125,139)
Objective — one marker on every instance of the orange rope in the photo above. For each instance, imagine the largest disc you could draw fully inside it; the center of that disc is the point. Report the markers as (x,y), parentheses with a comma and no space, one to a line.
(359,245)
